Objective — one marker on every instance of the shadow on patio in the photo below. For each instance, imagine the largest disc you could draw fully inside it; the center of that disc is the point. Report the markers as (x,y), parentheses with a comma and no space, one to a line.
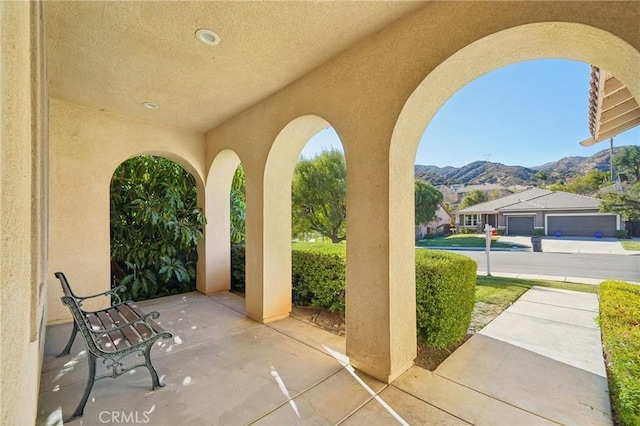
(223,368)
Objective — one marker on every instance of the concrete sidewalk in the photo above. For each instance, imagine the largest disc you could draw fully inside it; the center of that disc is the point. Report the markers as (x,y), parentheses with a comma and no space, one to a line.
(543,356)
(574,245)
(539,362)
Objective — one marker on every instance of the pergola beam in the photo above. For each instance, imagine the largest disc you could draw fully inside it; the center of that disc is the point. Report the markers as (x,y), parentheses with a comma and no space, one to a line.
(620,121)
(616,99)
(619,110)
(611,133)
(612,108)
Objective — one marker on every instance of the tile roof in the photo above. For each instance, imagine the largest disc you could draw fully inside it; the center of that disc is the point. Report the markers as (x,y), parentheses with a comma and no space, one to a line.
(493,205)
(535,199)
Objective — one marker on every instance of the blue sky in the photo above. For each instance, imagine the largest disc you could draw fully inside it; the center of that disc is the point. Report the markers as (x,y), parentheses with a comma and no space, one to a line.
(526,114)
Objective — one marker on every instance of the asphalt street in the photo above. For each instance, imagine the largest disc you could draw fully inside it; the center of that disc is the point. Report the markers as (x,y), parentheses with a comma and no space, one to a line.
(587,265)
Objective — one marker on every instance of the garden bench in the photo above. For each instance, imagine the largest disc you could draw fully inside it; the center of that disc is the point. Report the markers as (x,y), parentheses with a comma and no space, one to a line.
(111,334)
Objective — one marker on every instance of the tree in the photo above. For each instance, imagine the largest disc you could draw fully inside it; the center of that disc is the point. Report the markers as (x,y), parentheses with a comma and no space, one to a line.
(473,197)
(589,184)
(542,176)
(626,203)
(627,160)
(238,206)
(427,199)
(318,196)
(155,228)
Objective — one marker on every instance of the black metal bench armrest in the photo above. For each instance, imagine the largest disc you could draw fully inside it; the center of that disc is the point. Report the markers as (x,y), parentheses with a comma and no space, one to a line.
(113,292)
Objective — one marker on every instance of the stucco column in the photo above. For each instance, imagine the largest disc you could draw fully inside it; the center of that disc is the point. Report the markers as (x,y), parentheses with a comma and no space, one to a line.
(268,251)
(214,268)
(380,301)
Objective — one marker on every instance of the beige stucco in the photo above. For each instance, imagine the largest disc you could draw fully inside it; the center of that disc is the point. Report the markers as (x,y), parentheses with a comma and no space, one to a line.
(23,208)
(378,92)
(86,146)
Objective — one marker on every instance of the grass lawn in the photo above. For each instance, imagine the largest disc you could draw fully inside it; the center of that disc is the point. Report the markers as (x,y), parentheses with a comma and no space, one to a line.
(619,322)
(630,245)
(504,291)
(464,240)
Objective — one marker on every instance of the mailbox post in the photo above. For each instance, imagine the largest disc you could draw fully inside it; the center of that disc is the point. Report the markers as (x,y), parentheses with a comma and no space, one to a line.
(487,232)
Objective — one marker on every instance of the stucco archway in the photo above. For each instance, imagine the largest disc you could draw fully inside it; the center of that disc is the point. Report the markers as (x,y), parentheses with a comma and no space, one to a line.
(527,42)
(214,265)
(268,297)
(177,160)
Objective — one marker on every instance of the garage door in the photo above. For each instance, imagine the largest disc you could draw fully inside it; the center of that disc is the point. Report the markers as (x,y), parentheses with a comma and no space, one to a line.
(519,225)
(582,226)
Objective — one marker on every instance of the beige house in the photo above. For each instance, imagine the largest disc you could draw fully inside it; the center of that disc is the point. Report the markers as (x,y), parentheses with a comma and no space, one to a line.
(87,85)
(541,211)
(442,218)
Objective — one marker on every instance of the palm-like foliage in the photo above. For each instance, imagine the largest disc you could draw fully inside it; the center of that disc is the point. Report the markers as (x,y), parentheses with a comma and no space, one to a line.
(238,206)
(155,228)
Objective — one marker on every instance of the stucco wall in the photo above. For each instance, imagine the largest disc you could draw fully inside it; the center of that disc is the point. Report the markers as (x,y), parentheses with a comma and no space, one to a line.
(86,147)
(379,96)
(22,208)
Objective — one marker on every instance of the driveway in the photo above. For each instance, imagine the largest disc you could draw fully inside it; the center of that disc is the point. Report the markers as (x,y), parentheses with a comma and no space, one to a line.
(574,245)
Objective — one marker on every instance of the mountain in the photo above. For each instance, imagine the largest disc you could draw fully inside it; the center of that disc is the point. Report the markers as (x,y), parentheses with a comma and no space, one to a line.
(480,172)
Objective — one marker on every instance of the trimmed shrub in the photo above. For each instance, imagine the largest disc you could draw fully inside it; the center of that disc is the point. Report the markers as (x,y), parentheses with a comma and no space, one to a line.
(620,323)
(501,232)
(445,295)
(468,231)
(318,275)
(537,232)
(621,234)
(237,267)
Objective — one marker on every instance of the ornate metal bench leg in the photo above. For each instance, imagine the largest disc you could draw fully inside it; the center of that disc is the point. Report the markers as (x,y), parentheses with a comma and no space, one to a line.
(67,348)
(87,390)
(152,370)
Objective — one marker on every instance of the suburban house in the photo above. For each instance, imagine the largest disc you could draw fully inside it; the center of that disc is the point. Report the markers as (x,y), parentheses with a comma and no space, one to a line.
(438,224)
(84,86)
(554,212)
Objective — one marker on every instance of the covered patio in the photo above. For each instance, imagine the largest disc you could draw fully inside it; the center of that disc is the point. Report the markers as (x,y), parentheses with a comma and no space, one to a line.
(223,368)
(87,85)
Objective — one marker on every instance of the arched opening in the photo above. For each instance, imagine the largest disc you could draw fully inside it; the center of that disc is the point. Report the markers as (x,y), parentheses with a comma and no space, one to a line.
(217,267)
(319,222)
(542,40)
(269,295)
(156,226)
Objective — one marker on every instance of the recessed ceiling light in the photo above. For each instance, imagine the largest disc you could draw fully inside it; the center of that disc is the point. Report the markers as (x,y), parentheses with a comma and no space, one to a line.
(150,105)
(207,37)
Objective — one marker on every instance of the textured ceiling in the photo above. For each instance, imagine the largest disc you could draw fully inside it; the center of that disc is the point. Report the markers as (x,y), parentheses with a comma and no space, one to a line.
(116,55)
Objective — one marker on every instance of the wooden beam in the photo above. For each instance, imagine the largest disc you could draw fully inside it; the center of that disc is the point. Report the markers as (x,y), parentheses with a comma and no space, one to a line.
(612,85)
(619,110)
(626,126)
(625,118)
(616,99)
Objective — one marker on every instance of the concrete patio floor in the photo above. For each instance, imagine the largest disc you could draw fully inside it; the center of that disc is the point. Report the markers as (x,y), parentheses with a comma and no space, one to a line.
(540,362)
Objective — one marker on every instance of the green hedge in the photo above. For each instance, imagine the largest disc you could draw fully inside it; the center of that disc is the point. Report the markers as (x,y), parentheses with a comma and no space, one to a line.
(468,231)
(445,295)
(318,276)
(445,286)
(622,234)
(620,323)
(237,267)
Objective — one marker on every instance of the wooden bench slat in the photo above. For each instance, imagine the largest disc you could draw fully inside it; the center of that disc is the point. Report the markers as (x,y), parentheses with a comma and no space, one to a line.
(96,324)
(114,336)
(131,315)
(123,340)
